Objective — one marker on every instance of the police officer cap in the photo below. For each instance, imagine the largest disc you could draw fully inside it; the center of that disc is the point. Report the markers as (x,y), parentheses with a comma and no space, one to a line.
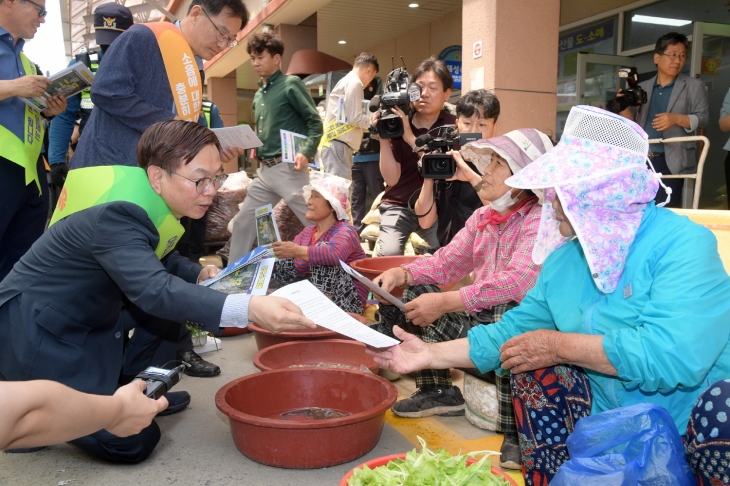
(110,20)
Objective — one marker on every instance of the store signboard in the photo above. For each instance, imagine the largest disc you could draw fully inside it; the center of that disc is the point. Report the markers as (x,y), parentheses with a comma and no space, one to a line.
(586,36)
(596,38)
(452,58)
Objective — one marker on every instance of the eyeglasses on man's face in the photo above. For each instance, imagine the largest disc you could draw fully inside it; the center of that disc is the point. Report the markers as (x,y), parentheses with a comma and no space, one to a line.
(41,9)
(226,39)
(203,184)
(674,56)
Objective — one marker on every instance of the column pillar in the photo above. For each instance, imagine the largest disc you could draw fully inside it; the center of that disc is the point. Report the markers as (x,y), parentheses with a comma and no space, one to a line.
(518,58)
(223,92)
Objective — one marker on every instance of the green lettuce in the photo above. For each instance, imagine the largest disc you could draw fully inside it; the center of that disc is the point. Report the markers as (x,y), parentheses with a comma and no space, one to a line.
(429,468)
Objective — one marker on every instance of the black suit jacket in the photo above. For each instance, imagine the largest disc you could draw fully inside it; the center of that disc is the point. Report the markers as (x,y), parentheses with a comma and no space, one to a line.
(64,305)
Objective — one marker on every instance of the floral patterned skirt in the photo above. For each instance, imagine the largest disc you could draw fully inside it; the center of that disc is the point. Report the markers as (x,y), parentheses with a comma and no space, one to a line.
(550,401)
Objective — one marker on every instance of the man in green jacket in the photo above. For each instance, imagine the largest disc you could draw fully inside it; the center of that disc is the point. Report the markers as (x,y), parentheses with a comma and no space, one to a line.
(281,103)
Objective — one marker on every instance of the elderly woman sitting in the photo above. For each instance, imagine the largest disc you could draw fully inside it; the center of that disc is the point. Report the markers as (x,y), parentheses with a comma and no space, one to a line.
(316,252)
(496,243)
(631,306)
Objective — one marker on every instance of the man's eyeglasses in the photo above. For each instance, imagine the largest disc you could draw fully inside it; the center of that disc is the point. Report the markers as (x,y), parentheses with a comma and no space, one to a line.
(202,185)
(674,57)
(481,124)
(41,9)
(230,42)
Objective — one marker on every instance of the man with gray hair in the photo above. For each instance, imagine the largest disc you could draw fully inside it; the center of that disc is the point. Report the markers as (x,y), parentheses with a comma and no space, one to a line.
(345,119)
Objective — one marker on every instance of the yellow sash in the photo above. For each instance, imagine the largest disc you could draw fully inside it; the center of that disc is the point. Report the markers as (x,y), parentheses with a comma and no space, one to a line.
(25,151)
(182,71)
(334,130)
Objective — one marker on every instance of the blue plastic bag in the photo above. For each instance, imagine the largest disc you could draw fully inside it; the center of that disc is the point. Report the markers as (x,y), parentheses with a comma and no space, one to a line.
(636,445)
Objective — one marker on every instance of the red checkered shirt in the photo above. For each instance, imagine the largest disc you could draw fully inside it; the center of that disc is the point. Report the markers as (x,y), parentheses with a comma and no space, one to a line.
(501,260)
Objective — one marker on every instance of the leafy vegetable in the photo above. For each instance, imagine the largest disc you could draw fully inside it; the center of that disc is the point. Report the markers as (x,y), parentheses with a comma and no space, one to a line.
(429,468)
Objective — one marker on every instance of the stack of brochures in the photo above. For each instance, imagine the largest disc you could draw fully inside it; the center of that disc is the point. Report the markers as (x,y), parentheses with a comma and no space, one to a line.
(74,79)
(249,274)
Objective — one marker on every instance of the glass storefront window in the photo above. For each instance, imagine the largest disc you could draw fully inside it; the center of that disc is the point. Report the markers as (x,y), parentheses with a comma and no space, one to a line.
(639,34)
(599,38)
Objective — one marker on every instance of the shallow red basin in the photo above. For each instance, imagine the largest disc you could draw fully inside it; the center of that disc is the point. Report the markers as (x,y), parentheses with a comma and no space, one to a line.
(284,355)
(372,267)
(381,461)
(264,338)
(253,405)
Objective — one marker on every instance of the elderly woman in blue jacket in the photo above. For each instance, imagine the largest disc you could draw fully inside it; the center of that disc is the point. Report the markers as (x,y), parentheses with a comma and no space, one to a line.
(631,306)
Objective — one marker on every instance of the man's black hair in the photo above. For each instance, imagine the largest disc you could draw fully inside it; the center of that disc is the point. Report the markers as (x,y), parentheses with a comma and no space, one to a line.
(215,7)
(265,42)
(469,104)
(670,39)
(367,59)
(438,68)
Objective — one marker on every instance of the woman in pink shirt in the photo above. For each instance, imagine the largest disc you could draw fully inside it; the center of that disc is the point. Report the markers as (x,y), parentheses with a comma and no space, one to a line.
(496,244)
(316,251)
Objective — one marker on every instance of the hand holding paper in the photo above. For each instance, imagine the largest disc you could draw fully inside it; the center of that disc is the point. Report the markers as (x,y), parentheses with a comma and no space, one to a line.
(277,315)
(375,289)
(317,307)
(239,137)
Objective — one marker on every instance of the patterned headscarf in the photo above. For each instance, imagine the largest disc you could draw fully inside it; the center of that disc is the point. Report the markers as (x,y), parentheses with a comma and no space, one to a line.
(336,190)
(598,171)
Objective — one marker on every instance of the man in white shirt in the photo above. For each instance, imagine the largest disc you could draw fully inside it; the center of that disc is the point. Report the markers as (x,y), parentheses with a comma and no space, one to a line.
(345,120)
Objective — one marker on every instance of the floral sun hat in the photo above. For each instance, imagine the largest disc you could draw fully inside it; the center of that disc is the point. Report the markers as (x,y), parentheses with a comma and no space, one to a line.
(599,172)
(336,190)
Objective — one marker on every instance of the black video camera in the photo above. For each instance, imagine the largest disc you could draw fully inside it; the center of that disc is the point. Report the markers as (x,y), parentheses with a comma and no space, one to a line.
(633,95)
(400,92)
(438,165)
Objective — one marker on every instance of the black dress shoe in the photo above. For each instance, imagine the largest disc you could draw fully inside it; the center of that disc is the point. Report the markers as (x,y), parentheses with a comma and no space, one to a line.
(198,366)
(177,401)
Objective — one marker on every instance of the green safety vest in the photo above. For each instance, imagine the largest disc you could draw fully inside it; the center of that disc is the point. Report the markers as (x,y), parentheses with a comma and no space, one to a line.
(91,186)
(25,151)
(93,65)
(207,107)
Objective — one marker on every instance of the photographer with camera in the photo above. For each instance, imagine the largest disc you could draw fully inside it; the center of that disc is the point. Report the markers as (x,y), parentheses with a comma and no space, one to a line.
(452,201)
(496,244)
(398,159)
(676,105)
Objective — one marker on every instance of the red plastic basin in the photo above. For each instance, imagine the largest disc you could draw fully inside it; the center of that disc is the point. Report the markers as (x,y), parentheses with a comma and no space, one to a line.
(284,355)
(372,267)
(264,338)
(253,404)
(381,461)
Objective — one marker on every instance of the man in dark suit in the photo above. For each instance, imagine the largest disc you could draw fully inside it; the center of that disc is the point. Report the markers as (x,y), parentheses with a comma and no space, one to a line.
(106,265)
(676,106)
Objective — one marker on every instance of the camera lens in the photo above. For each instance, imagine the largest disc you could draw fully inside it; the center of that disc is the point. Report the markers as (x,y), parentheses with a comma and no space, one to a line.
(441,165)
(391,125)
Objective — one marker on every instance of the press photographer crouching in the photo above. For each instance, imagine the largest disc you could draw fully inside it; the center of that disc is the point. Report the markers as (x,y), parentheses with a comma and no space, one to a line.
(399,162)
(447,193)
(675,106)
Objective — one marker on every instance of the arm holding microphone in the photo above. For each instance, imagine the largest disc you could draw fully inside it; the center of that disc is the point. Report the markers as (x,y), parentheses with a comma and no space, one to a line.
(40,412)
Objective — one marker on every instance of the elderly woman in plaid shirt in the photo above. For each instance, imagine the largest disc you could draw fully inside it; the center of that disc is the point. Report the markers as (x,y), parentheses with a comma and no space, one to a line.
(496,244)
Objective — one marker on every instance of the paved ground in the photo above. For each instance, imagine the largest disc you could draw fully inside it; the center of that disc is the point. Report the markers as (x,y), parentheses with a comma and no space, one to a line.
(197,448)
